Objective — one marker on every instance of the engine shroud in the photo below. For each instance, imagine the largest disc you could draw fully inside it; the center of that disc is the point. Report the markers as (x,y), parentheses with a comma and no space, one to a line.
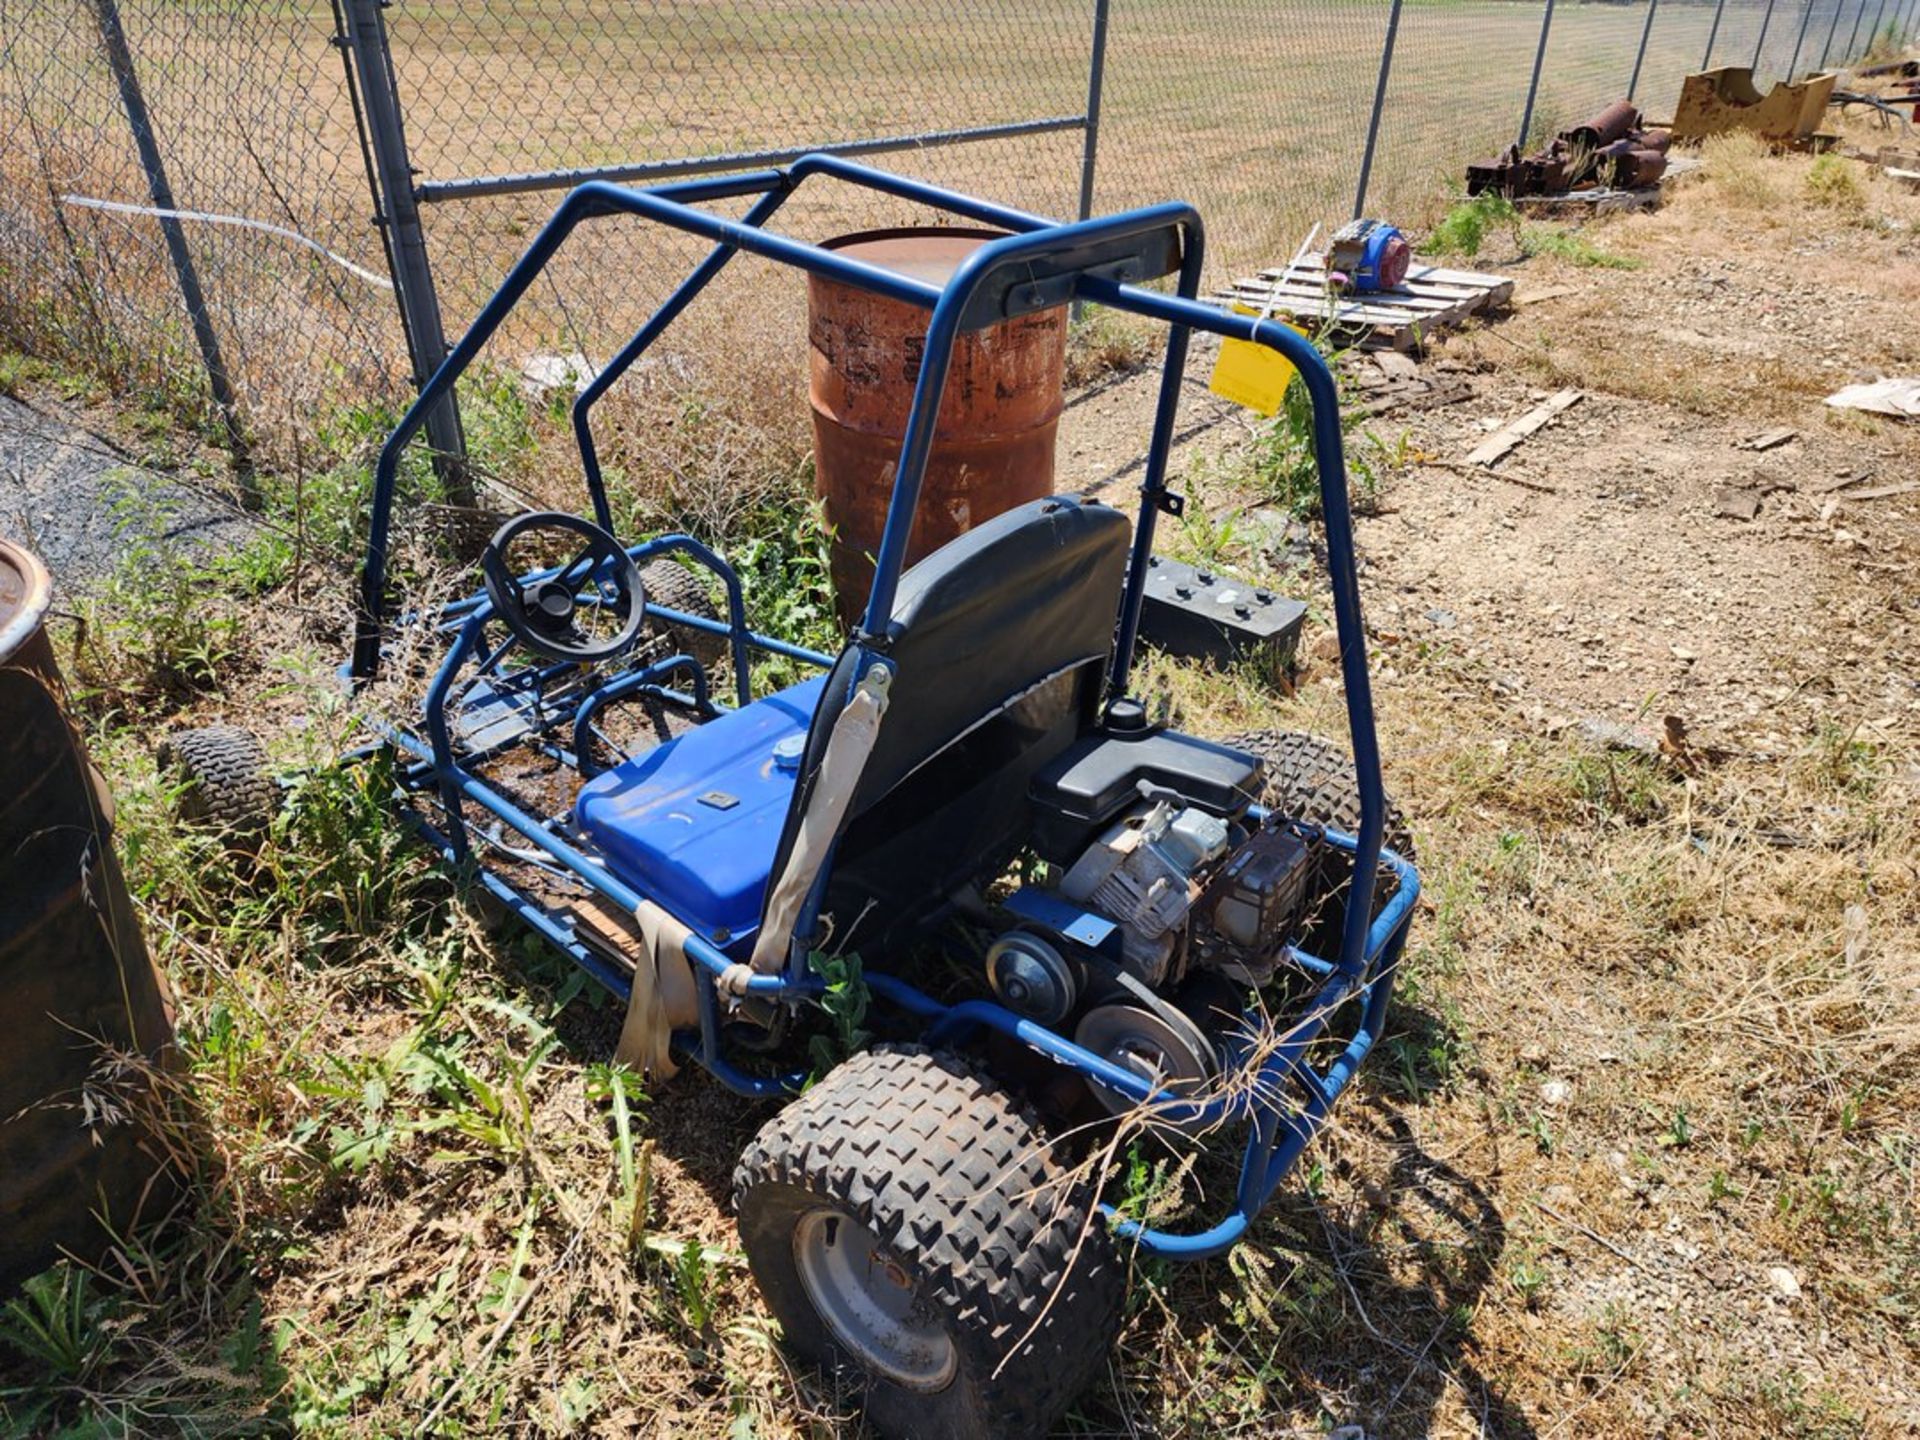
(1148,829)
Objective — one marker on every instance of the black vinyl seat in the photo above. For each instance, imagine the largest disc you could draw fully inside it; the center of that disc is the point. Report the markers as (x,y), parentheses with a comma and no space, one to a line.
(1000,641)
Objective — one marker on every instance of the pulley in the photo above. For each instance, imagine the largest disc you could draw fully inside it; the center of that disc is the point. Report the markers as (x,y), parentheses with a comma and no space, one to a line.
(1031,977)
(1160,1045)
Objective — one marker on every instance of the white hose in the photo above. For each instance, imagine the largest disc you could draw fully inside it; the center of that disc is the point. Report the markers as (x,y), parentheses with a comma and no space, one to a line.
(118,207)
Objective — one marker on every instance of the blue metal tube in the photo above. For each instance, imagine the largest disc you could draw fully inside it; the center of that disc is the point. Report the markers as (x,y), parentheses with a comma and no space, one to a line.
(1153,484)
(706,1049)
(1279,1135)
(597,876)
(631,683)
(1011,253)
(905,187)
(734,628)
(598,969)
(713,1058)
(1368,949)
(761,211)
(1180,312)
(669,205)
(1323,391)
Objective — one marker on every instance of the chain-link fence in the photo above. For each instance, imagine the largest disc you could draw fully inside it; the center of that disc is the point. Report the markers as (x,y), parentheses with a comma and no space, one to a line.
(321,151)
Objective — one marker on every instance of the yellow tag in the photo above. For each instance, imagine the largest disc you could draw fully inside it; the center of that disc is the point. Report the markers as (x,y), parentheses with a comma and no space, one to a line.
(1250,374)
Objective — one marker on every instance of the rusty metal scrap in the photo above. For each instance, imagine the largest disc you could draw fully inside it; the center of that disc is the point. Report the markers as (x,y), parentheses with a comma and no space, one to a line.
(1715,102)
(1611,151)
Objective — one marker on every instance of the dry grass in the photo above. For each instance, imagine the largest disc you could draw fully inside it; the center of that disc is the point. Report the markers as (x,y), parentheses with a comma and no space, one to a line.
(255,121)
(1655,1036)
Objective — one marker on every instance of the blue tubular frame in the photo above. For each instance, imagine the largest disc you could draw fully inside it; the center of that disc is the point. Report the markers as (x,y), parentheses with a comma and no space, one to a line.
(1039,264)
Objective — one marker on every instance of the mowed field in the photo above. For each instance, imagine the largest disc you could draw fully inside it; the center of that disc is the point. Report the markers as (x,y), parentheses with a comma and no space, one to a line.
(1256,113)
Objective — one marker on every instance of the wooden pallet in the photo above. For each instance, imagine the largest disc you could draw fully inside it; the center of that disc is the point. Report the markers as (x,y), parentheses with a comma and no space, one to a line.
(1430,299)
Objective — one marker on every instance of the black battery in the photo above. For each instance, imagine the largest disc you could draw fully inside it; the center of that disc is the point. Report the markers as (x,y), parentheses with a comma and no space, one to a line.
(1206,616)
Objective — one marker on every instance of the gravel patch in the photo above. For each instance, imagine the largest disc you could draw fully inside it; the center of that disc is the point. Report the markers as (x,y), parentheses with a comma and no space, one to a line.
(71,497)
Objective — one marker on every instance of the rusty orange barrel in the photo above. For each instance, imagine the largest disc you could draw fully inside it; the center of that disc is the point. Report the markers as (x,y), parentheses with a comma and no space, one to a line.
(993,441)
(76,1164)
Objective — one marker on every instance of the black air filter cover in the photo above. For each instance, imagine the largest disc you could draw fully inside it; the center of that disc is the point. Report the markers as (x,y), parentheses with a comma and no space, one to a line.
(1099,775)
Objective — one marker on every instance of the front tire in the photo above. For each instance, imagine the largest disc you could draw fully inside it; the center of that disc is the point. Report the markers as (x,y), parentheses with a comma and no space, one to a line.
(679,588)
(228,783)
(911,1230)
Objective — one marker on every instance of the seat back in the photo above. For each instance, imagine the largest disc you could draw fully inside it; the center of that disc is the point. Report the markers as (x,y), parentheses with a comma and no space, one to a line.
(1000,642)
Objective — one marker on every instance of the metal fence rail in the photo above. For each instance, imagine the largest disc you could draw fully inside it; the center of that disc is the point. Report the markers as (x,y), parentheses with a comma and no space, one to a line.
(344,180)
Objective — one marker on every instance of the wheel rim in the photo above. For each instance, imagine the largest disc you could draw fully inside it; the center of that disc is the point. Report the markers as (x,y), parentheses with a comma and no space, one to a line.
(868,1301)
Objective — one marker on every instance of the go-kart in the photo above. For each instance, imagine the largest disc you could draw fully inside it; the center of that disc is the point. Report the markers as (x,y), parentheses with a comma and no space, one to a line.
(1157,931)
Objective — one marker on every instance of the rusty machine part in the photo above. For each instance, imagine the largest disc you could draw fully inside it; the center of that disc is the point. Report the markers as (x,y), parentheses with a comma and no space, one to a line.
(994,436)
(1609,126)
(1904,69)
(1715,102)
(75,979)
(1611,150)
(1630,164)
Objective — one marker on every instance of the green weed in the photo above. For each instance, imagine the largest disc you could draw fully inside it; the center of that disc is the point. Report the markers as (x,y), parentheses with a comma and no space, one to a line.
(1833,182)
(1573,247)
(845,1004)
(157,632)
(620,1090)
(1281,468)
(58,1323)
(1464,228)
(1630,787)
(786,580)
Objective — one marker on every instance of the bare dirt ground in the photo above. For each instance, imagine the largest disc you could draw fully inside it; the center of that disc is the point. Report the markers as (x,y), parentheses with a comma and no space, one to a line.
(1640,552)
(1638,559)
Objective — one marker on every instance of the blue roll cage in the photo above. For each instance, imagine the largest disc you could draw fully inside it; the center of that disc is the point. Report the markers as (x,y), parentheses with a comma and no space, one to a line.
(1038,265)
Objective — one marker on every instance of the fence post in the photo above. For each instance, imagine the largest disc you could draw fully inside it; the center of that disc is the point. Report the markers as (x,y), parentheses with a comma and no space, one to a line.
(1379,102)
(1806,18)
(1833,29)
(1766,19)
(1640,55)
(1533,85)
(370,68)
(1875,31)
(1713,33)
(113,39)
(1096,82)
(1853,34)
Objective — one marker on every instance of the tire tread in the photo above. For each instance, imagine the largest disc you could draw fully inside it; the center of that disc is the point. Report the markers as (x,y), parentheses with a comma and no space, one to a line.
(947,1168)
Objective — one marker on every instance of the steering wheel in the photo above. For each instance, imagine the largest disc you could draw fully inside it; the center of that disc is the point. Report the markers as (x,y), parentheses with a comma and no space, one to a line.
(547,612)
